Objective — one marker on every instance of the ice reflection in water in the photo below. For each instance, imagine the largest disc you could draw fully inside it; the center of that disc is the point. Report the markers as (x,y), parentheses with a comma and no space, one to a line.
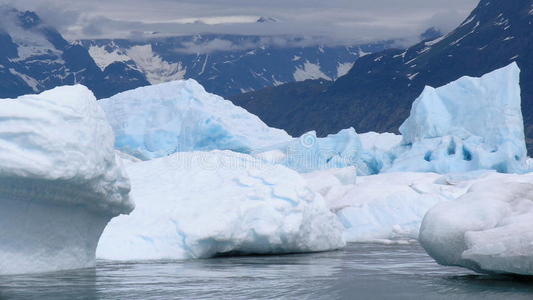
(361,271)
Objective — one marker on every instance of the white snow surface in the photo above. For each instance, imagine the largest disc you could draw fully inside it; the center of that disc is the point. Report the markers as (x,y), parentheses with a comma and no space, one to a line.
(154,67)
(31,43)
(179,116)
(201,204)
(344,68)
(487,230)
(309,71)
(379,141)
(60,181)
(387,207)
(103,58)
(469,124)
(145,59)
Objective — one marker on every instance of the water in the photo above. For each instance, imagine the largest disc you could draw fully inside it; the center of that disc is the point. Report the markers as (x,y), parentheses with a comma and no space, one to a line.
(361,271)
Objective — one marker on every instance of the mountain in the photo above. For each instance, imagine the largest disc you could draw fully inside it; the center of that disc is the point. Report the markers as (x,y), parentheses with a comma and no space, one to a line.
(228,65)
(377,93)
(267,20)
(35,57)
(430,34)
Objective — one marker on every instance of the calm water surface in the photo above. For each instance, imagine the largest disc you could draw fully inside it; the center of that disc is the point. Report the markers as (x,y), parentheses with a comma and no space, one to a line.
(361,271)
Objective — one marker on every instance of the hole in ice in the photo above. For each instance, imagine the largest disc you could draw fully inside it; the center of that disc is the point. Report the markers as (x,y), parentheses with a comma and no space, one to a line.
(427,157)
(467,155)
(451,147)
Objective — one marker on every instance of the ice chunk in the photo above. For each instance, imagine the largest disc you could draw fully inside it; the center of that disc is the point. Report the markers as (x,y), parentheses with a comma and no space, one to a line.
(200,204)
(378,150)
(309,153)
(487,230)
(385,207)
(469,124)
(380,141)
(159,120)
(59,180)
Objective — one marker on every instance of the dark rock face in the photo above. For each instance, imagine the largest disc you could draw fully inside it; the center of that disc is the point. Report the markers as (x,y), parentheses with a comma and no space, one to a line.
(377,93)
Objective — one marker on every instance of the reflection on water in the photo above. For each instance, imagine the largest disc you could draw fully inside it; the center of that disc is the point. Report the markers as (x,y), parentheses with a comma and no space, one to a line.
(361,271)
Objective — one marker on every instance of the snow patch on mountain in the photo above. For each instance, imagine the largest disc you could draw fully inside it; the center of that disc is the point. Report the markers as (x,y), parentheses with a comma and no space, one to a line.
(103,58)
(343,68)
(31,82)
(309,71)
(156,69)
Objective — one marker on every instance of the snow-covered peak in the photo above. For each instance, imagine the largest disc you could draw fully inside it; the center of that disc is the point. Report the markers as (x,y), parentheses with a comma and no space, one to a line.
(267,20)
(31,36)
(28,19)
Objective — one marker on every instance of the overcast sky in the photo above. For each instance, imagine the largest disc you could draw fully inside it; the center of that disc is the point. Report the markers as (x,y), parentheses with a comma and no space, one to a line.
(338,20)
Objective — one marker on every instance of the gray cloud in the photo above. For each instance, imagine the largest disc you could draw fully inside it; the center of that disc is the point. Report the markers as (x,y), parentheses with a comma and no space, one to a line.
(339,21)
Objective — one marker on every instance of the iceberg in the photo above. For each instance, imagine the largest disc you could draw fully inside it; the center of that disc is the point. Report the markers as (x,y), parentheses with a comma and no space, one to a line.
(60,180)
(309,153)
(378,151)
(469,124)
(180,116)
(388,207)
(487,230)
(204,204)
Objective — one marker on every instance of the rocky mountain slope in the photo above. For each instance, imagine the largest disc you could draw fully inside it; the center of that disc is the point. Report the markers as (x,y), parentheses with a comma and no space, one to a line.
(228,65)
(35,57)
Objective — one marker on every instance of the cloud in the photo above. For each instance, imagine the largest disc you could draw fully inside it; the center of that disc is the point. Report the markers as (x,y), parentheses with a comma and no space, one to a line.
(335,21)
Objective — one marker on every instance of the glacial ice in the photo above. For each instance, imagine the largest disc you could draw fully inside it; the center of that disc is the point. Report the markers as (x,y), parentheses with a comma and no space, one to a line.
(180,116)
(60,181)
(387,207)
(203,204)
(309,153)
(469,124)
(487,230)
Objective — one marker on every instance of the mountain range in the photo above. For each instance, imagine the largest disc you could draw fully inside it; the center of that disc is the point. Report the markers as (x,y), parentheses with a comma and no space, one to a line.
(377,93)
(35,57)
(229,65)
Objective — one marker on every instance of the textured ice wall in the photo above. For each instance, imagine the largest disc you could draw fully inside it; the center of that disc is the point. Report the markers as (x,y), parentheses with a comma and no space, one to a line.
(200,204)
(60,182)
(180,116)
(469,124)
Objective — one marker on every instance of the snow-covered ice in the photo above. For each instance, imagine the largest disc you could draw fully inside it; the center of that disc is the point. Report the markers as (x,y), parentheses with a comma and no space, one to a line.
(385,142)
(469,124)
(309,153)
(487,230)
(200,204)
(179,116)
(386,207)
(60,181)
(378,151)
